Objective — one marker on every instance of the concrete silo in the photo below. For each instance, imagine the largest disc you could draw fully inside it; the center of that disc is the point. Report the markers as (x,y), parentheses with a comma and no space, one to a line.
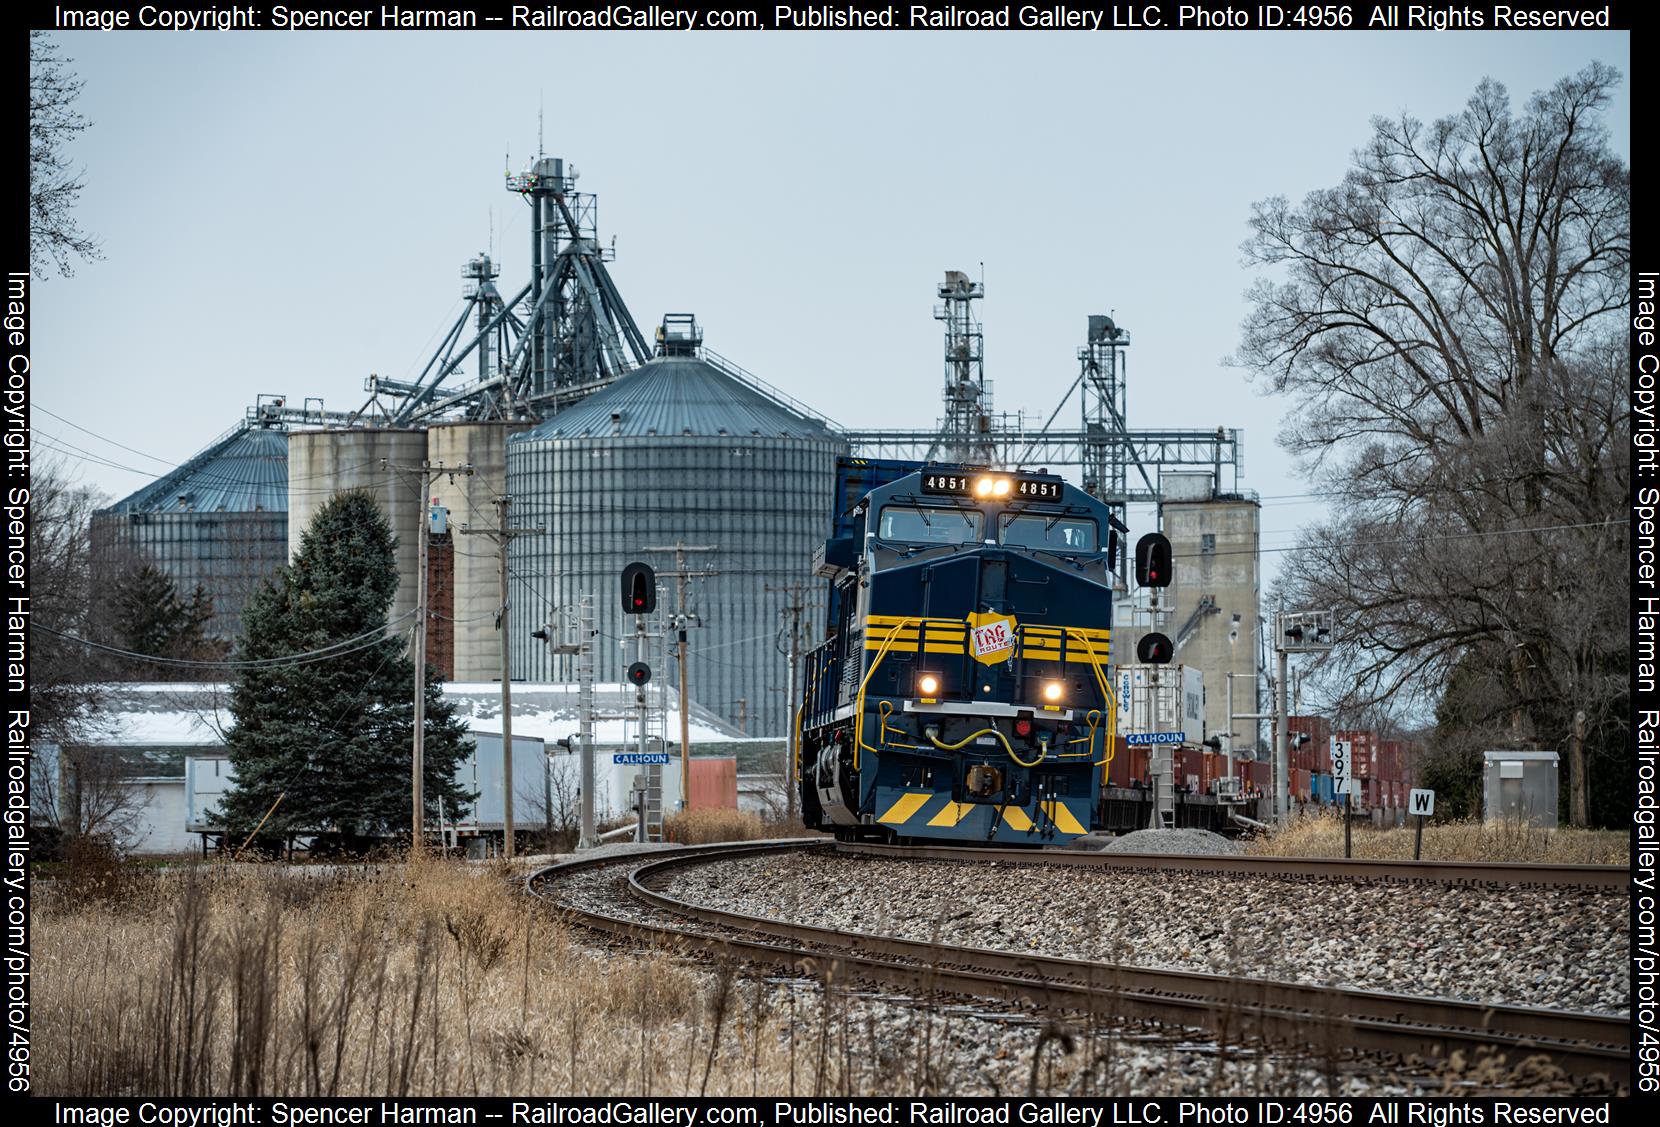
(219,521)
(476,573)
(677,450)
(322,463)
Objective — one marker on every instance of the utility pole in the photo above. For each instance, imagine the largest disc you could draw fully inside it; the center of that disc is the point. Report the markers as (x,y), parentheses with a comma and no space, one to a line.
(585,719)
(1301,632)
(1579,808)
(794,608)
(681,621)
(583,648)
(1282,738)
(417,757)
(503,536)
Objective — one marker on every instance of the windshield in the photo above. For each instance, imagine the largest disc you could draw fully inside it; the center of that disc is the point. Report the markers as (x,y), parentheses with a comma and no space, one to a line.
(926,525)
(1058,534)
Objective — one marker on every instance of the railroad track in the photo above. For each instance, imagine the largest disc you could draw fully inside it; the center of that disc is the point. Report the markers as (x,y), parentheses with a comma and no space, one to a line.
(1479,874)
(1317,1018)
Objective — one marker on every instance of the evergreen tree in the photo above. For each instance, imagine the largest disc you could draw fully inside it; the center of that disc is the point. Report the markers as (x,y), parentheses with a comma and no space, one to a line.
(151,618)
(333,736)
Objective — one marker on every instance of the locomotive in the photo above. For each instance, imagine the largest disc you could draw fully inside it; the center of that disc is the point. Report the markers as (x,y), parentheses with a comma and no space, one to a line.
(962,691)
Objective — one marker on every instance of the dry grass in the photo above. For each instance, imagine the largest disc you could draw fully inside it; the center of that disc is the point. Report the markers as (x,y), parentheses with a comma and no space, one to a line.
(700,827)
(1515,842)
(443,979)
(436,979)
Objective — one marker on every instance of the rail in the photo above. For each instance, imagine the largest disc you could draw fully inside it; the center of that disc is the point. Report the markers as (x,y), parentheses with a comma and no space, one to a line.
(1482,874)
(1308,1016)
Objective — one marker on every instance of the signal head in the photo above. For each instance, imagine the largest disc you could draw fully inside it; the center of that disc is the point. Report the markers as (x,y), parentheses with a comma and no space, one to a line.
(639,589)
(1154,649)
(1153,564)
(639,673)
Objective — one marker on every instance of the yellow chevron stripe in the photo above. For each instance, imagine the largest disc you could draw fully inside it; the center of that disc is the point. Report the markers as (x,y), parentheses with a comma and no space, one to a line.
(907,805)
(1017,819)
(1062,817)
(951,814)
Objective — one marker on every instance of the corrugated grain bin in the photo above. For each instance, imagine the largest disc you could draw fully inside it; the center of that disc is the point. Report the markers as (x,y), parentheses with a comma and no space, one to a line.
(678,449)
(714,784)
(220,521)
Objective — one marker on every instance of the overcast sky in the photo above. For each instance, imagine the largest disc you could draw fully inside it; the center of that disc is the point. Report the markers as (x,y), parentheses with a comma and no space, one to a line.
(289,212)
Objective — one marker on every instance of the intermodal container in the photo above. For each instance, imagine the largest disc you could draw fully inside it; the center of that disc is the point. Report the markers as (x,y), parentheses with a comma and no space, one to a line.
(1189,767)
(1301,785)
(714,785)
(1322,788)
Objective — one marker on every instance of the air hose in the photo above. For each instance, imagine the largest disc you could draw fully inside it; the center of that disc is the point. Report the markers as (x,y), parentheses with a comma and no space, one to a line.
(1007,746)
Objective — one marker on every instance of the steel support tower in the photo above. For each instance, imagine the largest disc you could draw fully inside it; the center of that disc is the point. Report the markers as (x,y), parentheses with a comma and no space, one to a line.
(563,335)
(965,430)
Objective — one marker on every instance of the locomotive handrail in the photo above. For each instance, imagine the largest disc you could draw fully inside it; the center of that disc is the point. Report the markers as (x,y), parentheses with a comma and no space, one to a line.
(1106,695)
(1093,719)
(859,702)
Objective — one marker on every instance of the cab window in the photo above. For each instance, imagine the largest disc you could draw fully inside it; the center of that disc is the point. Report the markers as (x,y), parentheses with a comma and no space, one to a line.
(921,524)
(1058,534)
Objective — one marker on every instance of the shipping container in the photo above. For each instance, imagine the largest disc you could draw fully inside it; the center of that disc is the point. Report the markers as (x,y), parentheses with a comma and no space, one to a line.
(1160,699)
(1300,784)
(714,785)
(1322,787)
(1121,768)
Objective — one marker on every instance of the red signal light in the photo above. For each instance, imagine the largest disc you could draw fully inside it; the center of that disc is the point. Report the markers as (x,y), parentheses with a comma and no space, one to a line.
(1022,727)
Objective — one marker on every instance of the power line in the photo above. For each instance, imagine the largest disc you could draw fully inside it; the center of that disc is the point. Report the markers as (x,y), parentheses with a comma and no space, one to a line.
(99,437)
(336,649)
(1402,540)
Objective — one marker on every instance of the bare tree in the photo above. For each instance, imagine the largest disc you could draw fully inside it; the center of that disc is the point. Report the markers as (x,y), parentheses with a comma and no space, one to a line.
(86,792)
(64,676)
(1447,323)
(55,238)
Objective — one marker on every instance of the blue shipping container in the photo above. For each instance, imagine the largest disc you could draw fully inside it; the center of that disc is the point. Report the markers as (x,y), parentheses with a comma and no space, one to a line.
(1324,788)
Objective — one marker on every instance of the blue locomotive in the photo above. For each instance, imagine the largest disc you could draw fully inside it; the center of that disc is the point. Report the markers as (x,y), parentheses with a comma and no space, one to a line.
(962,692)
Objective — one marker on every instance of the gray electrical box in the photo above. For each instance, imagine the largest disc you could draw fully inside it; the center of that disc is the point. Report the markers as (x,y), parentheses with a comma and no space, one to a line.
(1519,786)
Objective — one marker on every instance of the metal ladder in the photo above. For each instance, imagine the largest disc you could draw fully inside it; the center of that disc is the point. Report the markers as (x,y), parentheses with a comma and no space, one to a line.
(1164,790)
(654,802)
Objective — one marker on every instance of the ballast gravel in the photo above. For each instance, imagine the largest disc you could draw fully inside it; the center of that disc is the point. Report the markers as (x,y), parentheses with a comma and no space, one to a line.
(1563,948)
(878,1043)
(1171,841)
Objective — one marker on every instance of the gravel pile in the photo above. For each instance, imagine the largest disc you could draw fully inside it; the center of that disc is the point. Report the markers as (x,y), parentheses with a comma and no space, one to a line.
(1533,947)
(1171,841)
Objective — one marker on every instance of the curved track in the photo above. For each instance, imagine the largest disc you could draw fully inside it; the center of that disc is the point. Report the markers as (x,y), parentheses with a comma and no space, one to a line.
(1310,1017)
(1481,874)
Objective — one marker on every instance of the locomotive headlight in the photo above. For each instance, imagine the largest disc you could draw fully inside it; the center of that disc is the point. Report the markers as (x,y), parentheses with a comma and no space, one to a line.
(983,487)
(928,684)
(1052,691)
(1000,488)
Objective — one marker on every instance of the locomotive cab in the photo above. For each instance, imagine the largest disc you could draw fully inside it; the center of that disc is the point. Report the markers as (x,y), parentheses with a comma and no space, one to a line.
(963,692)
